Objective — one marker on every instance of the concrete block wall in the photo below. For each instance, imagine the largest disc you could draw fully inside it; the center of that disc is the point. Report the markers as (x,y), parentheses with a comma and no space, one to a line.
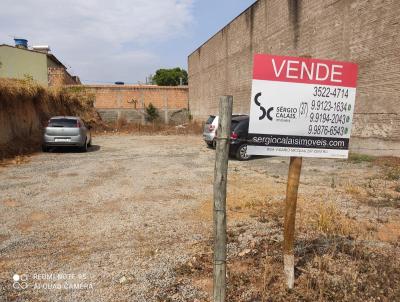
(129,101)
(366,32)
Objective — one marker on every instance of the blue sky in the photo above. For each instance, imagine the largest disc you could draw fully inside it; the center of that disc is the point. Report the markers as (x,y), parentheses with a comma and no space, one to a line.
(122,40)
(208,18)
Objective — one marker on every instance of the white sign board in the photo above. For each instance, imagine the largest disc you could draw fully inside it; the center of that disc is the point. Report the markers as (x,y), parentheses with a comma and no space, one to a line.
(301,107)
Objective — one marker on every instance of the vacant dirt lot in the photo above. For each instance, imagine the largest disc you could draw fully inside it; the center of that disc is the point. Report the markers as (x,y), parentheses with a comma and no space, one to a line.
(131,221)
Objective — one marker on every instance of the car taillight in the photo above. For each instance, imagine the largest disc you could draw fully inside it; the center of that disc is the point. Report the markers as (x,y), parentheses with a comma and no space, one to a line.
(78,124)
(211,128)
(234,135)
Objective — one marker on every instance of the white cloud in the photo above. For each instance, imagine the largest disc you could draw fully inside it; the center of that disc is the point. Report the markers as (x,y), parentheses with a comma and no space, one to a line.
(86,34)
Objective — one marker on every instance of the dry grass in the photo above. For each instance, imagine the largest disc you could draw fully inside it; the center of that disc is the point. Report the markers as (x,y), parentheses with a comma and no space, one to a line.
(330,264)
(393,174)
(338,258)
(329,221)
(379,190)
(150,128)
(247,196)
(67,100)
(25,107)
(389,232)
(354,190)
(390,167)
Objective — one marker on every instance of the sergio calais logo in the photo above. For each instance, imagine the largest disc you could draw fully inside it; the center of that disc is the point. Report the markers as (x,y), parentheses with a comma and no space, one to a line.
(283,114)
(265,113)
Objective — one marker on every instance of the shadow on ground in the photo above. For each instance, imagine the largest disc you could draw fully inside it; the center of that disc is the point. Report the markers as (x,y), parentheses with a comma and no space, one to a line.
(92,148)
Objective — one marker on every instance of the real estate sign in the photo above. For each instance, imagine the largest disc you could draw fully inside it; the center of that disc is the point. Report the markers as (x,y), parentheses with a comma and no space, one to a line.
(301,107)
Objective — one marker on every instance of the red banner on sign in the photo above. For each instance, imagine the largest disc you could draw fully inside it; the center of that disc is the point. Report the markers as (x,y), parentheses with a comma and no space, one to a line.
(304,70)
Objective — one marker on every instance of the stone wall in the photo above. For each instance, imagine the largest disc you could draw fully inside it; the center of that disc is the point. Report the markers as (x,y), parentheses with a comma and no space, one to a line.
(360,31)
(129,101)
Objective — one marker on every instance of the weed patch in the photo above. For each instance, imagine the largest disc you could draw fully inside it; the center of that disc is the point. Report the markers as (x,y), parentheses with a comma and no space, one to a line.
(360,158)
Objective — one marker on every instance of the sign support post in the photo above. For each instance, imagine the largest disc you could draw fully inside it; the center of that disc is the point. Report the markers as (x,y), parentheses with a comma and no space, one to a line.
(220,181)
(290,218)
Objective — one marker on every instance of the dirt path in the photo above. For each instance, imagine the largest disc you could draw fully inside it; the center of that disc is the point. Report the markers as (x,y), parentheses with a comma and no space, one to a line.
(129,220)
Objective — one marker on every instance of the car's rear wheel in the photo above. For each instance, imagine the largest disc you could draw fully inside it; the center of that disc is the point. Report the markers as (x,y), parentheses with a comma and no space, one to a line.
(241,153)
(84,148)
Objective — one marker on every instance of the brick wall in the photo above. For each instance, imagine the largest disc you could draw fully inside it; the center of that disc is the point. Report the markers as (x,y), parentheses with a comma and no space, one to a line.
(58,76)
(129,101)
(361,31)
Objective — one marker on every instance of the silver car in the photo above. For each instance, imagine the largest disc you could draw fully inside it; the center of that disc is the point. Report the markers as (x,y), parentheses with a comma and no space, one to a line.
(66,131)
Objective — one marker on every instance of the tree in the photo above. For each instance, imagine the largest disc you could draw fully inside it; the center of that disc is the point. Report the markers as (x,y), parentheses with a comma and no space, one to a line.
(170,77)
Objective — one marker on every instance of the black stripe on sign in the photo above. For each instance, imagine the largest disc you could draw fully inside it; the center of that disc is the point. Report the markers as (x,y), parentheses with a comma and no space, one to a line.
(294,141)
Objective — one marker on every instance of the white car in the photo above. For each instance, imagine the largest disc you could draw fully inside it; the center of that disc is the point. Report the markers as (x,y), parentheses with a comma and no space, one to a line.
(210,128)
(209,131)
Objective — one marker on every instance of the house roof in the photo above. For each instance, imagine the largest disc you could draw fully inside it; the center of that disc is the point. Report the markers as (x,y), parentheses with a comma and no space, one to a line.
(49,55)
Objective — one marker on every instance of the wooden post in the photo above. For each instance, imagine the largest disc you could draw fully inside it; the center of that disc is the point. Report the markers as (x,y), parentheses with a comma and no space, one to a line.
(220,180)
(290,217)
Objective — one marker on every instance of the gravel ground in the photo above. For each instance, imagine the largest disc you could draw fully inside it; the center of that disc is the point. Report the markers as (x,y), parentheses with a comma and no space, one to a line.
(114,219)
(116,222)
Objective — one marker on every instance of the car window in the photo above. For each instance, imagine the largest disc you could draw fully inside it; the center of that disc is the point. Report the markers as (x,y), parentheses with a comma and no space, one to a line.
(234,124)
(210,119)
(242,126)
(63,122)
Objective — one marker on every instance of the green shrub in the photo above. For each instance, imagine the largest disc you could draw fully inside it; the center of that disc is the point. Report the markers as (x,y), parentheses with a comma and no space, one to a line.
(151,113)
